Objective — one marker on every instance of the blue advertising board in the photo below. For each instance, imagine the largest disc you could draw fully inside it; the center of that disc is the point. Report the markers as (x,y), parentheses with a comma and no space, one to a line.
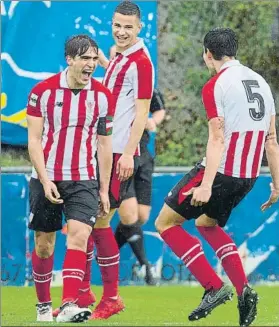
(33,34)
(255,233)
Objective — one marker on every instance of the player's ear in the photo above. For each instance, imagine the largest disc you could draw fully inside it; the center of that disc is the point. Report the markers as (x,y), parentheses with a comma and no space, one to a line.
(69,60)
(209,54)
(139,26)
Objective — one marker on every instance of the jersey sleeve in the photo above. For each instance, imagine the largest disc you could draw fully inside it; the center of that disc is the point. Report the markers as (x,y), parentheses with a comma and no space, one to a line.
(34,102)
(212,97)
(106,113)
(157,101)
(142,79)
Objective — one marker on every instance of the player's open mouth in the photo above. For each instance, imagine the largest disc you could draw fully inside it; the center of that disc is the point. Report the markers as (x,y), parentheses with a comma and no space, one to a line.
(122,39)
(86,74)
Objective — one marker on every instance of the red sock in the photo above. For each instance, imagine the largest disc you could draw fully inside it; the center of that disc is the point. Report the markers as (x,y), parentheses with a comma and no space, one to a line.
(73,273)
(108,259)
(226,251)
(85,284)
(189,249)
(42,274)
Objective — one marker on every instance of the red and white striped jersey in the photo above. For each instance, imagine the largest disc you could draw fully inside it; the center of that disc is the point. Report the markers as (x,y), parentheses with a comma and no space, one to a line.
(244,99)
(72,121)
(129,76)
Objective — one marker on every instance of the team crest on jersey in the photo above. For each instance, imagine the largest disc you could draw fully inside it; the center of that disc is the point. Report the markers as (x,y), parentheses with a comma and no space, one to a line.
(90,105)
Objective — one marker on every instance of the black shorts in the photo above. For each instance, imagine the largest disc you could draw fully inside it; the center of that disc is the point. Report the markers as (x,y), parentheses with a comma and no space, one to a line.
(141,186)
(81,199)
(119,191)
(227,192)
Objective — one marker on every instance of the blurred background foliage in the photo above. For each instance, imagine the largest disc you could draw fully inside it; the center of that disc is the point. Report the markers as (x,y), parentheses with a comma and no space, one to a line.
(181,139)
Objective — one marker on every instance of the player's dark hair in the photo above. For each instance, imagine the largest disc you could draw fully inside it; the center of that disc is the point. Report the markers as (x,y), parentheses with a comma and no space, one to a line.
(79,44)
(128,8)
(221,42)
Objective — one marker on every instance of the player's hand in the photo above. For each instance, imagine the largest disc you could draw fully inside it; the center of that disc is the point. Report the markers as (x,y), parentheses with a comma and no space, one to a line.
(104,206)
(125,167)
(103,60)
(150,125)
(274,196)
(51,192)
(201,195)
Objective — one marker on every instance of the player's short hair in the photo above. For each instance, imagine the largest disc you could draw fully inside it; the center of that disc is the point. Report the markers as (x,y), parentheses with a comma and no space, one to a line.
(77,45)
(128,8)
(221,42)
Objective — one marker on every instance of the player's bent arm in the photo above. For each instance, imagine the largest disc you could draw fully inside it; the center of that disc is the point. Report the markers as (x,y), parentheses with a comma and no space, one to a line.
(214,150)
(272,153)
(158,116)
(104,153)
(142,111)
(35,149)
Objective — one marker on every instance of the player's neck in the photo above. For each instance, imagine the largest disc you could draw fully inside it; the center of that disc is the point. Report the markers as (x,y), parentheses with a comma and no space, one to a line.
(71,81)
(219,63)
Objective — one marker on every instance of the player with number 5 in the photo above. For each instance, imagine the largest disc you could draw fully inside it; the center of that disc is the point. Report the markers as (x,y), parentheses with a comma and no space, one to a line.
(241,120)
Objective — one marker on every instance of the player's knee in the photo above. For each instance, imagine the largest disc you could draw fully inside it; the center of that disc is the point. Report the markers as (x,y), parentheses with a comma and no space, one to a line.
(78,234)
(128,211)
(160,225)
(44,244)
(104,222)
(144,213)
(205,221)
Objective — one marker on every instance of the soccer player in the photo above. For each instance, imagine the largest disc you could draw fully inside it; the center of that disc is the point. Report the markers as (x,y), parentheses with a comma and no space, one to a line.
(139,193)
(66,113)
(241,120)
(129,76)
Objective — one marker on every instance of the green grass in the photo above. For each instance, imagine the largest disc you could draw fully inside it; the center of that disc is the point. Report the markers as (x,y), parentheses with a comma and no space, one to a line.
(145,306)
(14,157)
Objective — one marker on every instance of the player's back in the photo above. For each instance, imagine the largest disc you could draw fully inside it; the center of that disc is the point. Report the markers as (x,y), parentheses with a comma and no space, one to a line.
(244,99)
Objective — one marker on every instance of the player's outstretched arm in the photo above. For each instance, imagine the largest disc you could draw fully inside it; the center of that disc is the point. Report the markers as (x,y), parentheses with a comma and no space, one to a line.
(103,60)
(272,154)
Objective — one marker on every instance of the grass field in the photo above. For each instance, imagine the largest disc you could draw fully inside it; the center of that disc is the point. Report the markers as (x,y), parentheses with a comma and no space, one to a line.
(145,306)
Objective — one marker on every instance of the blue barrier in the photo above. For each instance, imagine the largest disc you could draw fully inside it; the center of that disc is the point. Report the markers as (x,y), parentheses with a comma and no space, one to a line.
(255,233)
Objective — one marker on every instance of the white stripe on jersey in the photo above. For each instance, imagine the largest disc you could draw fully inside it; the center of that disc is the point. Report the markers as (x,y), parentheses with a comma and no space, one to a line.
(57,116)
(238,155)
(251,154)
(85,131)
(103,104)
(70,137)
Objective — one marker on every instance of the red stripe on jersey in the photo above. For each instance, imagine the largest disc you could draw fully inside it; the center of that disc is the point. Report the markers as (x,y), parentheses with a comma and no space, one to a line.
(50,112)
(256,160)
(58,176)
(193,182)
(78,136)
(145,79)
(90,168)
(106,81)
(209,98)
(119,80)
(231,154)
(245,152)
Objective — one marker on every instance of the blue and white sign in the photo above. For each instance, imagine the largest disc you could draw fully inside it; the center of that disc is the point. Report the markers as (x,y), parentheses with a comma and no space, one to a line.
(33,37)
